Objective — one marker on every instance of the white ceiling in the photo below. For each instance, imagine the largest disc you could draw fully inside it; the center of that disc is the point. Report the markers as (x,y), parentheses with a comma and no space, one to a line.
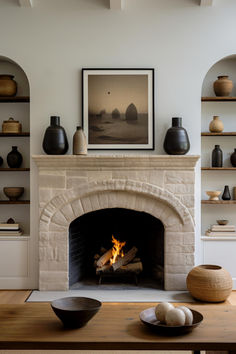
(114,4)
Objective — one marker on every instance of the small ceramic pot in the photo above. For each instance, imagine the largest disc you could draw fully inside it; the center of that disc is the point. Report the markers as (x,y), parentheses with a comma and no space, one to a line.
(226,193)
(8,86)
(216,125)
(14,158)
(217,157)
(1,161)
(13,193)
(213,195)
(79,142)
(223,86)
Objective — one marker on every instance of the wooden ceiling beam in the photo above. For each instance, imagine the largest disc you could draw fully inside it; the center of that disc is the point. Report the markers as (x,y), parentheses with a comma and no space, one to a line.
(26,3)
(117,4)
(206,2)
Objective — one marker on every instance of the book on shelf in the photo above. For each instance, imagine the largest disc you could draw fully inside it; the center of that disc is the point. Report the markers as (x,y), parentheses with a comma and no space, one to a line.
(11,232)
(4,226)
(223,228)
(220,233)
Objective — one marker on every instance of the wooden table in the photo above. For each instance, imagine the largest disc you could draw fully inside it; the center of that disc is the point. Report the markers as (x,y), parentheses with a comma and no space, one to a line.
(116,326)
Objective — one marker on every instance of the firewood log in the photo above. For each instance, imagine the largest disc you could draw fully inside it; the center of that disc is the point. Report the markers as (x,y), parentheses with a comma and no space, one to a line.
(104,269)
(136,260)
(136,268)
(126,259)
(104,258)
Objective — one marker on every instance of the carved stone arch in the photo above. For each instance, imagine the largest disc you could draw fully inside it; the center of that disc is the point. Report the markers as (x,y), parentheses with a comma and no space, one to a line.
(127,194)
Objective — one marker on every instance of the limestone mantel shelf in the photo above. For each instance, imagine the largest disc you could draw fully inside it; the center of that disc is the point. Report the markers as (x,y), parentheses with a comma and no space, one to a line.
(129,162)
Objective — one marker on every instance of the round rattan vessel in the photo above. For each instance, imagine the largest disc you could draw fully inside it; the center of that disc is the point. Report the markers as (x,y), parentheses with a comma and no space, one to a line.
(210,283)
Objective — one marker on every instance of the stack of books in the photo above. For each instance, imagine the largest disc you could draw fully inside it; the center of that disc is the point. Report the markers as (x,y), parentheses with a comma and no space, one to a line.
(10,230)
(221,230)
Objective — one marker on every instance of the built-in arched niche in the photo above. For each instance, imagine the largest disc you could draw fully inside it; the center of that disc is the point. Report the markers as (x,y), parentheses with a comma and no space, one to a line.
(18,108)
(93,231)
(216,179)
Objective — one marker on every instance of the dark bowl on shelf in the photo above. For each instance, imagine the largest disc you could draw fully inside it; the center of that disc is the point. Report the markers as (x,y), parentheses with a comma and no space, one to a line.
(222,222)
(148,317)
(75,312)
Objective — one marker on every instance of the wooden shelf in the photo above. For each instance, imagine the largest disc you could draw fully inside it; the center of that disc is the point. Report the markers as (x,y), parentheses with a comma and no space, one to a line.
(14,134)
(14,169)
(218,201)
(15,99)
(14,202)
(218,99)
(218,134)
(218,168)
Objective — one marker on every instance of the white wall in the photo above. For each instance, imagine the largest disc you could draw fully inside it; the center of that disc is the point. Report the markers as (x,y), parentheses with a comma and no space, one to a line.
(55,39)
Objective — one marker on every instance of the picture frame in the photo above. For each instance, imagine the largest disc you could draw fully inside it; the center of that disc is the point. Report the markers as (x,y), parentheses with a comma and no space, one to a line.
(118,108)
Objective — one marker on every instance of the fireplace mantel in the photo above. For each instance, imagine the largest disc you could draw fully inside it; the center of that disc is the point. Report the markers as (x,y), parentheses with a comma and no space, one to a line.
(137,162)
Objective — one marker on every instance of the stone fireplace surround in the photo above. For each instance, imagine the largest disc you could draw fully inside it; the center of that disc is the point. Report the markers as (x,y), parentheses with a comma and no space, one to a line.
(70,186)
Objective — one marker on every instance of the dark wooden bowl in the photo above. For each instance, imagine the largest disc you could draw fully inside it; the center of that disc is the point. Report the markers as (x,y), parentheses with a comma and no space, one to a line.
(75,312)
(148,317)
(13,193)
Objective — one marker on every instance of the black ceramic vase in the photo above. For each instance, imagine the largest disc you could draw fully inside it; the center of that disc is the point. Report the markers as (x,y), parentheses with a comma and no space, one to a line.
(14,158)
(217,157)
(176,139)
(55,139)
(233,158)
(226,194)
(1,161)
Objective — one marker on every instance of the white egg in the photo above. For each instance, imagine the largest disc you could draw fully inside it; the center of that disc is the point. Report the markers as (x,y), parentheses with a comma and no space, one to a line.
(175,317)
(161,310)
(188,314)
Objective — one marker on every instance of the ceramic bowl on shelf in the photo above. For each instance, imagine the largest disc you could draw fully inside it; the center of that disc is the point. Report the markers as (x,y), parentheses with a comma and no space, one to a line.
(148,317)
(75,312)
(13,193)
(222,222)
(213,195)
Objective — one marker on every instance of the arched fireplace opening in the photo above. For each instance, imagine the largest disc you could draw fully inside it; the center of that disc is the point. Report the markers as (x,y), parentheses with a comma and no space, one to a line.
(91,234)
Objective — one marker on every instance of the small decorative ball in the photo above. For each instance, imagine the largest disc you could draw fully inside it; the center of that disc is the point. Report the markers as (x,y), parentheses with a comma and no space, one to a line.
(175,317)
(161,310)
(188,314)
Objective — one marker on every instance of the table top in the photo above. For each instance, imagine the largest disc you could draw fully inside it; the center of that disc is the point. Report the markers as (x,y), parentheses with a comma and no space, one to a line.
(115,327)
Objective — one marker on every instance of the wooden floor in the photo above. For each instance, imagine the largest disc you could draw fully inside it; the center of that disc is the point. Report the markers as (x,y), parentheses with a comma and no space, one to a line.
(20,296)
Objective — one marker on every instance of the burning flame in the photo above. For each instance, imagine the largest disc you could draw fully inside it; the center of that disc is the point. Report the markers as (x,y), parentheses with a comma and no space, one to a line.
(116,250)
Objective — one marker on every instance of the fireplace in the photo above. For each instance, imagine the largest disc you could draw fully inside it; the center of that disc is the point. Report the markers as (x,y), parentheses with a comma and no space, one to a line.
(76,189)
(93,231)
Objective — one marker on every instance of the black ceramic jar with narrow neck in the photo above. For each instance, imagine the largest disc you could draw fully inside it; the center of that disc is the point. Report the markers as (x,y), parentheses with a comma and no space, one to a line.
(55,139)
(176,139)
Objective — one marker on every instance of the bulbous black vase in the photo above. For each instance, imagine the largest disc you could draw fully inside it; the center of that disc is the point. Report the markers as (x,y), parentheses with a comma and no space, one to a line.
(14,158)
(176,140)
(226,194)
(55,139)
(1,161)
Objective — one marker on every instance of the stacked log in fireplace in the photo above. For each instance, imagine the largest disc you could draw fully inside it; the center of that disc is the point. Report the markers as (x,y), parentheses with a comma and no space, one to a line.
(125,265)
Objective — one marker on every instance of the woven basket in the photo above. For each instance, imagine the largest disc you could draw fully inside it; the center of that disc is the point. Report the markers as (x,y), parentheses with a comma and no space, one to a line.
(11,126)
(209,283)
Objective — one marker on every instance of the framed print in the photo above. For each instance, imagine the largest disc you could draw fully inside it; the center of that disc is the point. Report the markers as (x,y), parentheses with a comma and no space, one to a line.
(118,108)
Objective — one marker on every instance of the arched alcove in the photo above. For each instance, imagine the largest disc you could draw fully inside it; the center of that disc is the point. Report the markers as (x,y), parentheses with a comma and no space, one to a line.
(211,179)
(91,232)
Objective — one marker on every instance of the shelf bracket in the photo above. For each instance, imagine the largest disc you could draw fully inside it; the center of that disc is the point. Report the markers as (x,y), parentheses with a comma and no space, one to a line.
(117,4)
(206,2)
(26,3)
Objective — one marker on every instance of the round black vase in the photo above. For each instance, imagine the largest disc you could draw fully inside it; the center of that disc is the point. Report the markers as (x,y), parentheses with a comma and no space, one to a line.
(233,158)
(1,161)
(55,139)
(217,157)
(176,139)
(226,194)
(14,158)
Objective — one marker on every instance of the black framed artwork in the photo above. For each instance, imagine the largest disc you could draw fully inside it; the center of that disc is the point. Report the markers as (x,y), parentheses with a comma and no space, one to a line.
(118,108)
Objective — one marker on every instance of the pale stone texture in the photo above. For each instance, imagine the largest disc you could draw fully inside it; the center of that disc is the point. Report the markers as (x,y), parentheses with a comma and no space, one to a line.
(70,186)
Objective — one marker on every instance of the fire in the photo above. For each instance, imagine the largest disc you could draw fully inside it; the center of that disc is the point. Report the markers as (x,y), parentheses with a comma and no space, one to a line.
(116,250)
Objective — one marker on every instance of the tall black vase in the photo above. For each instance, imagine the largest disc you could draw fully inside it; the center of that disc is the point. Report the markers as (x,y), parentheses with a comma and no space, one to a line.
(55,139)
(176,139)
(226,194)
(217,157)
